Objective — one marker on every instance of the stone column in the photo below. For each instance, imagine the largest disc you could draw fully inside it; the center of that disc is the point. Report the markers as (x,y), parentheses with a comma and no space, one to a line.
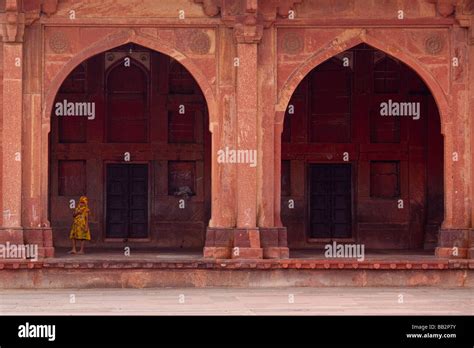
(453,238)
(12,36)
(273,235)
(248,33)
(219,234)
(278,130)
(237,133)
(34,209)
(470,106)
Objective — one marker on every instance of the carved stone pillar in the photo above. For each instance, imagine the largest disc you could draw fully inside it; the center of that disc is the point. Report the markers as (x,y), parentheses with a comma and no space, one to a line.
(23,209)
(456,240)
(13,24)
(247,33)
(248,100)
(242,240)
(37,229)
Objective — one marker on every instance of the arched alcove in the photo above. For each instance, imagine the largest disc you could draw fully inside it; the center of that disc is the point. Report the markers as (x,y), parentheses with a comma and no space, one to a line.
(142,157)
(354,173)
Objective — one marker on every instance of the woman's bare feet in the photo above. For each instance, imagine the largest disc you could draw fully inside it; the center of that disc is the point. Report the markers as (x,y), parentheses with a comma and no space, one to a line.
(80,252)
(72,252)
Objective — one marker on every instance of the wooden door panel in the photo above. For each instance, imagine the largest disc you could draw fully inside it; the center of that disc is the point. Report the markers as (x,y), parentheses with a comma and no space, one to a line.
(139,201)
(127,201)
(138,230)
(117,201)
(330,202)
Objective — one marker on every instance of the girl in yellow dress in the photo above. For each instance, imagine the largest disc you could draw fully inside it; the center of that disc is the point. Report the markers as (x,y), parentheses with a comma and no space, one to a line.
(80,226)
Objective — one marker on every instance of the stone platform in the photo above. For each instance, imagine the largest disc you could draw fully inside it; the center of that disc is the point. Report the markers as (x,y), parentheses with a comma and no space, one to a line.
(177,268)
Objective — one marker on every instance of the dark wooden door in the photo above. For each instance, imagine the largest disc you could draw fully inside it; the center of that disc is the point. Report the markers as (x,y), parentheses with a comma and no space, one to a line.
(330,200)
(127,201)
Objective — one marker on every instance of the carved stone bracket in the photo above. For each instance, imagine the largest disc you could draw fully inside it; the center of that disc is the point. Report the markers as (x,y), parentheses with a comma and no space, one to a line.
(283,8)
(248,30)
(15,18)
(211,8)
(248,27)
(49,7)
(235,13)
(465,17)
(38,7)
(462,10)
(445,7)
(13,22)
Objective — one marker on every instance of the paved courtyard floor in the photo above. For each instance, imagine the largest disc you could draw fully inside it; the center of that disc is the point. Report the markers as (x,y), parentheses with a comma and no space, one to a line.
(219,301)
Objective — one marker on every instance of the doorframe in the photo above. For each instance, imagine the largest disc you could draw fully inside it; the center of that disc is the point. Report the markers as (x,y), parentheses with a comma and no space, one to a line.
(353,238)
(149,191)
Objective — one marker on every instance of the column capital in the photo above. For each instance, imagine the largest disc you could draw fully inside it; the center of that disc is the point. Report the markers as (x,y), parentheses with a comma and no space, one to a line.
(464,14)
(16,17)
(248,30)
(248,27)
(12,24)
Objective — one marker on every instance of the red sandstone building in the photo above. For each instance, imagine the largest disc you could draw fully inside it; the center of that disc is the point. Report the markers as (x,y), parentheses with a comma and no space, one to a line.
(168,89)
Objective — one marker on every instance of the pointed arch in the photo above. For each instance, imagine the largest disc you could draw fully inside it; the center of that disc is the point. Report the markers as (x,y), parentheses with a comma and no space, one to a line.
(121,38)
(341,43)
(338,46)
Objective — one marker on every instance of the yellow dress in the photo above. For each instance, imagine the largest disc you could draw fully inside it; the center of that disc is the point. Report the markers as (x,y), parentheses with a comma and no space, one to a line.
(80,226)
